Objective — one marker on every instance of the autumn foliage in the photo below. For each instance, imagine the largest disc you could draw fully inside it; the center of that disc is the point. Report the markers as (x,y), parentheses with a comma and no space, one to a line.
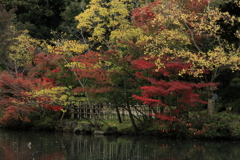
(17,92)
(162,55)
(163,84)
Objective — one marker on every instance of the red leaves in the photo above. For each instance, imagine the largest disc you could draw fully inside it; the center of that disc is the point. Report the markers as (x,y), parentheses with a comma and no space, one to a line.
(44,59)
(150,101)
(56,108)
(143,16)
(143,64)
(45,102)
(196,6)
(50,107)
(164,117)
(15,94)
(171,66)
(161,85)
(92,70)
(46,82)
(17,113)
(46,79)
(56,70)
(45,64)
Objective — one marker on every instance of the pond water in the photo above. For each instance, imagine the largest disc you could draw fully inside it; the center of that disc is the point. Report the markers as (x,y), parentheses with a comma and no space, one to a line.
(29,145)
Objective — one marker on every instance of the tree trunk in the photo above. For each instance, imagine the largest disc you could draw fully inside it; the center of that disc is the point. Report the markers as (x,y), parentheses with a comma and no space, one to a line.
(117,109)
(94,116)
(129,110)
(131,118)
(210,101)
(118,115)
(210,107)
(63,114)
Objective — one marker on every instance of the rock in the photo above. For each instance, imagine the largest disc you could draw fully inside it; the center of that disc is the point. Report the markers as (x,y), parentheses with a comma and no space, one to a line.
(83,128)
(73,125)
(66,126)
(98,132)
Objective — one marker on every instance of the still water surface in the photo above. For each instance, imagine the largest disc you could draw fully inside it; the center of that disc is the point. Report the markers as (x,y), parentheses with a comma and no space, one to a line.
(14,145)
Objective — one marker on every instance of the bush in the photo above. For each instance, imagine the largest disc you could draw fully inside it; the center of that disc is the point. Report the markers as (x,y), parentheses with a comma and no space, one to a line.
(222,125)
(46,124)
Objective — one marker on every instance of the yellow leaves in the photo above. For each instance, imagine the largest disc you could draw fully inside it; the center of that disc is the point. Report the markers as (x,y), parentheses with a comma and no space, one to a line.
(211,60)
(237,34)
(68,47)
(49,92)
(126,33)
(208,21)
(99,32)
(63,110)
(23,48)
(103,12)
(182,34)
(103,17)
(62,96)
(81,65)
(209,18)
(75,65)
(168,42)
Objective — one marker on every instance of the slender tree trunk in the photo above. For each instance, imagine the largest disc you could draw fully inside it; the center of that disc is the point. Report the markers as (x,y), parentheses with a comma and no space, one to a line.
(117,110)
(210,89)
(63,114)
(91,107)
(132,119)
(210,102)
(129,110)
(118,115)
(93,114)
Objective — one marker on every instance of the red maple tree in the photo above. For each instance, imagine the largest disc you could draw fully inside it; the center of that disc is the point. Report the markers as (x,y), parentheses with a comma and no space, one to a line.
(16,103)
(164,83)
(91,73)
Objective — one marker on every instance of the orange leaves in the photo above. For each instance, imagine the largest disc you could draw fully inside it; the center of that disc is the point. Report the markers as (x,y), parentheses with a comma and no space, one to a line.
(17,113)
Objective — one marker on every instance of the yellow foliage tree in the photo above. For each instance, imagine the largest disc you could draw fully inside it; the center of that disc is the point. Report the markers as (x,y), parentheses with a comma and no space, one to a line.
(107,22)
(56,96)
(22,51)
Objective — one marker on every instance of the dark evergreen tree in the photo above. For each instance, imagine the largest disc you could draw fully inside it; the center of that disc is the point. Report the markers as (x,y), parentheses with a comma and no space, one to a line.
(40,17)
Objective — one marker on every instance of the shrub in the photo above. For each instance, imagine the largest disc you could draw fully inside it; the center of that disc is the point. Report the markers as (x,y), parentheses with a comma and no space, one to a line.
(222,125)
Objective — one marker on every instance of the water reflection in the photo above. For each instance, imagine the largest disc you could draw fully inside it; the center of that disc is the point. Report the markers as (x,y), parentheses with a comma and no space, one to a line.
(25,145)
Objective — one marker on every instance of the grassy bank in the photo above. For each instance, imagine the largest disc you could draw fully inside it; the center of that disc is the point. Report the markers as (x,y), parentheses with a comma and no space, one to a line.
(221,125)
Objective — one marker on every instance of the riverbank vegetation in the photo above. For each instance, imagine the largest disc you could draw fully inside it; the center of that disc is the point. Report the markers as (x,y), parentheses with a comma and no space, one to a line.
(172,66)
